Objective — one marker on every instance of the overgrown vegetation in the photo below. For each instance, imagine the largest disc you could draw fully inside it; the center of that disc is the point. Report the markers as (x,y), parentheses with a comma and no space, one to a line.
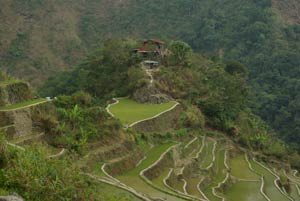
(214,90)
(254,34)
(34,176)
(213,94)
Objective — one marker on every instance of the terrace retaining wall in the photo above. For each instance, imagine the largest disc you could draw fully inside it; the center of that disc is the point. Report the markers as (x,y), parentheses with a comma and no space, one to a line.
(20,122)
(164,122)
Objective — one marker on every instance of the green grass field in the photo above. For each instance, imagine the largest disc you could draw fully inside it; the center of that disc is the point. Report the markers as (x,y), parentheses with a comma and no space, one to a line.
(159,180)
(294,192)
(22,104)
(130,111)
(192,184)
(245,191)
(117,192)
(240,169)
(9,81)
(208,151)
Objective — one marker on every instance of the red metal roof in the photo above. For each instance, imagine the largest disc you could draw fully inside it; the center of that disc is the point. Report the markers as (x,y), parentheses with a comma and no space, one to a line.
(157,41)
(145,48)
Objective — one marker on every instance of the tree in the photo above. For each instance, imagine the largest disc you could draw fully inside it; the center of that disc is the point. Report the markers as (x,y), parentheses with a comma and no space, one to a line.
(180,52)
(234,67)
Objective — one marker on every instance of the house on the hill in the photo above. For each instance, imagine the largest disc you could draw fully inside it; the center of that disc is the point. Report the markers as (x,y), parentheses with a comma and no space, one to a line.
(152,49)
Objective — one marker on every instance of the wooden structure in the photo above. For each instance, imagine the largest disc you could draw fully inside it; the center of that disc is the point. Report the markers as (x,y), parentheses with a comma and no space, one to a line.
(151,64)
(148,50)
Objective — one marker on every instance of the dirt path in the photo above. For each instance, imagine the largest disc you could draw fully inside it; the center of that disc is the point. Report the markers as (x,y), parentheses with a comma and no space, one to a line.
(149,73)
(59,154)
(15,146)
(23,107)
(27,137)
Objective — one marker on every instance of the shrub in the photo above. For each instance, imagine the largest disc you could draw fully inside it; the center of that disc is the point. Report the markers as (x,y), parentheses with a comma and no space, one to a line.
(192,118)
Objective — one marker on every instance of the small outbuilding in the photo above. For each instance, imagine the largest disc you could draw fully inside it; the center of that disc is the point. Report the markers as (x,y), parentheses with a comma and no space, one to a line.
(151,64)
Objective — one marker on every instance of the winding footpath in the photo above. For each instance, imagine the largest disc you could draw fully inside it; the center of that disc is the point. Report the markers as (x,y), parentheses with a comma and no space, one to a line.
(24,107)
(59,154)
(131,125)
(150,75)
(23,149)
(109,105)
(15,146)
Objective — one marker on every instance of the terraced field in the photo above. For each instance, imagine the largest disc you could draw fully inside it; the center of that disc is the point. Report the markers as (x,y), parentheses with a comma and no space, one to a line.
(295,192)
(294,184)
(132,178)
(269,186)
(208,154)
(232,176)
(243,190)
(240,168)
(247,183)
(207,168)
(219,176)
(130,111)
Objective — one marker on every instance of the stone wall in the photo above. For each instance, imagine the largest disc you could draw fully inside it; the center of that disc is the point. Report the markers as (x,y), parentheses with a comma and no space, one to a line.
(150,94)
(14,93)
(17,123)
(164,122)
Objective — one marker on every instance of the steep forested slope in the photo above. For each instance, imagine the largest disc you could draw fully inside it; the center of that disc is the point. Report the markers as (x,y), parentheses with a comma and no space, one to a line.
(39,37)
(209,134)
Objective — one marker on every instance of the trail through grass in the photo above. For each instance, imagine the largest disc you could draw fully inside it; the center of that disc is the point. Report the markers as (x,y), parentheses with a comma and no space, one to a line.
(130,111)
(22,104)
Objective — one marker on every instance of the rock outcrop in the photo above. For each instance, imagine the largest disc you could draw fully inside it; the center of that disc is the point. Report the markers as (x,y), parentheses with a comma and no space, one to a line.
(150,94)
(11,198)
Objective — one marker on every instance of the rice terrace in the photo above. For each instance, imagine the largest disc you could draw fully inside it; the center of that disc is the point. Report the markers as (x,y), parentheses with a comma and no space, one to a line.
(208,110)
(130,111)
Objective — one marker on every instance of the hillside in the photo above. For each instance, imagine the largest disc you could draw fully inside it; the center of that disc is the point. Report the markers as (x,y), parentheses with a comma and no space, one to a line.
(288,10)
(42,37)
(182,131)
(39,38)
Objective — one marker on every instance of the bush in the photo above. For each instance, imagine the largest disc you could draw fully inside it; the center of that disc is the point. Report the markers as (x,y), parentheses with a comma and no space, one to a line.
(192,118)
(35,178)
(294,160)
(180,53)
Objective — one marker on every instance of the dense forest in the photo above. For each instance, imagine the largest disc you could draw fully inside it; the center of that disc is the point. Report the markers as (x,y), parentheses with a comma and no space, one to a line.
(259,34)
